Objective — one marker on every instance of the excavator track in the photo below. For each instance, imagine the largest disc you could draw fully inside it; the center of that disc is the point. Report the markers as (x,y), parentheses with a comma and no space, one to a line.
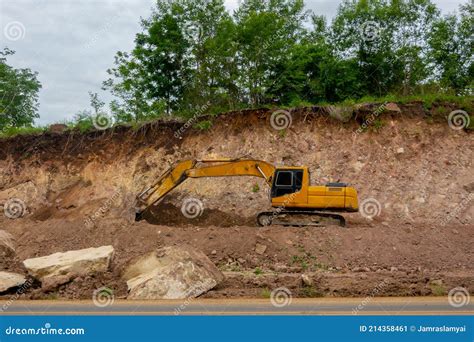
(299,218)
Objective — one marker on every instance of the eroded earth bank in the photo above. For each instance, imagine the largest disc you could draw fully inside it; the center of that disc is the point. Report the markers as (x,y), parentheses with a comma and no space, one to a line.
(76,191)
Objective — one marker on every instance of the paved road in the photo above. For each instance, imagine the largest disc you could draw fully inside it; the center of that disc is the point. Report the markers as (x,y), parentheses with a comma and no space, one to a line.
(313,306)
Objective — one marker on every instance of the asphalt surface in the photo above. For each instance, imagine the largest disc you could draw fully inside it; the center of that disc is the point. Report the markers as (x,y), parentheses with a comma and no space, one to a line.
(310,306)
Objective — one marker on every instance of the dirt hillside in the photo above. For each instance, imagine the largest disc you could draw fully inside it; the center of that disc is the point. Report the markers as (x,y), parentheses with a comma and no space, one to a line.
(406,162)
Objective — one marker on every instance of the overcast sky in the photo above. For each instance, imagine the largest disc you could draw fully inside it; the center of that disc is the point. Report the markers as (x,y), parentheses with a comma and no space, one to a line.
(71,43)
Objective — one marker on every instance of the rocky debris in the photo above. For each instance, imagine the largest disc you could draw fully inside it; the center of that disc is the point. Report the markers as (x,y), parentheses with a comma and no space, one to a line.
(358,166)
(10,280)
(7,245)
(341,113)
(51,283)
(58,267)
(260,249)
(172,273)
(307,281)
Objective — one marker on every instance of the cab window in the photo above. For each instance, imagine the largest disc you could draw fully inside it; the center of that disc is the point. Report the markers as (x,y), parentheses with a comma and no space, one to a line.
(284,178)
(287,182)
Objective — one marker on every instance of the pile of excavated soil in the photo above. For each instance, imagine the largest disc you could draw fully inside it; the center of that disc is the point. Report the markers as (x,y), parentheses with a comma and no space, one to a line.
(79,189)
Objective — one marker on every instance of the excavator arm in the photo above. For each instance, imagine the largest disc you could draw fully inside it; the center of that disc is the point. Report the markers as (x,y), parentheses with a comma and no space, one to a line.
(183,170)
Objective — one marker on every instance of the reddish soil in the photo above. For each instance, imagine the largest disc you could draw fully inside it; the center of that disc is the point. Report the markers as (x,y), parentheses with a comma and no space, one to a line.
(414,165)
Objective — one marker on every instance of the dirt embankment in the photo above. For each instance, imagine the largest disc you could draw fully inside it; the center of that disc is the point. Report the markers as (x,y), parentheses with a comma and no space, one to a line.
(79,189)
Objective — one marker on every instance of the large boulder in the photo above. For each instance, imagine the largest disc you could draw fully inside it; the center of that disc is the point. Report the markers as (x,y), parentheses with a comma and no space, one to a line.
(172,273)
(9,280)
(70,264)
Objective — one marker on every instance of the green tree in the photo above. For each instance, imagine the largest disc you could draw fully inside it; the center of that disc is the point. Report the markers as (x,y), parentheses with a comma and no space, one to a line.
(314,73)
(153,76)
(266,30)
(210,33)
(388,40)
(18,94)
(193,54)
(452,48)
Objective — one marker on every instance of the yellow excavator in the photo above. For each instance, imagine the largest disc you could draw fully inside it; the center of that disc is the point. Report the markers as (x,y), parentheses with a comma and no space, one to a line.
(297,203)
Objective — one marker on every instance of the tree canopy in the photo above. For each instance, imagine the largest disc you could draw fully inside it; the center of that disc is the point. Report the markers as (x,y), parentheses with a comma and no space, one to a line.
(192,52)
(18,94)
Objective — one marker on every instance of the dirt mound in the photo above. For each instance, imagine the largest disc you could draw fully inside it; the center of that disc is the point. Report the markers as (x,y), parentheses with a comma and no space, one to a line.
(168,214)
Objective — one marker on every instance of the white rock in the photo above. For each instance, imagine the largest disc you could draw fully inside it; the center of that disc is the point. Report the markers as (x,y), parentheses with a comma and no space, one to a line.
(420,199)
(392,107)
(358,166)
(171,273)
(260,249)
(400,150)
(307,280)
(9,280)
(80,262)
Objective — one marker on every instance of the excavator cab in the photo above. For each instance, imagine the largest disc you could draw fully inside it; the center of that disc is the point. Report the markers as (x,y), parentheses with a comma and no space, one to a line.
(287,181)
